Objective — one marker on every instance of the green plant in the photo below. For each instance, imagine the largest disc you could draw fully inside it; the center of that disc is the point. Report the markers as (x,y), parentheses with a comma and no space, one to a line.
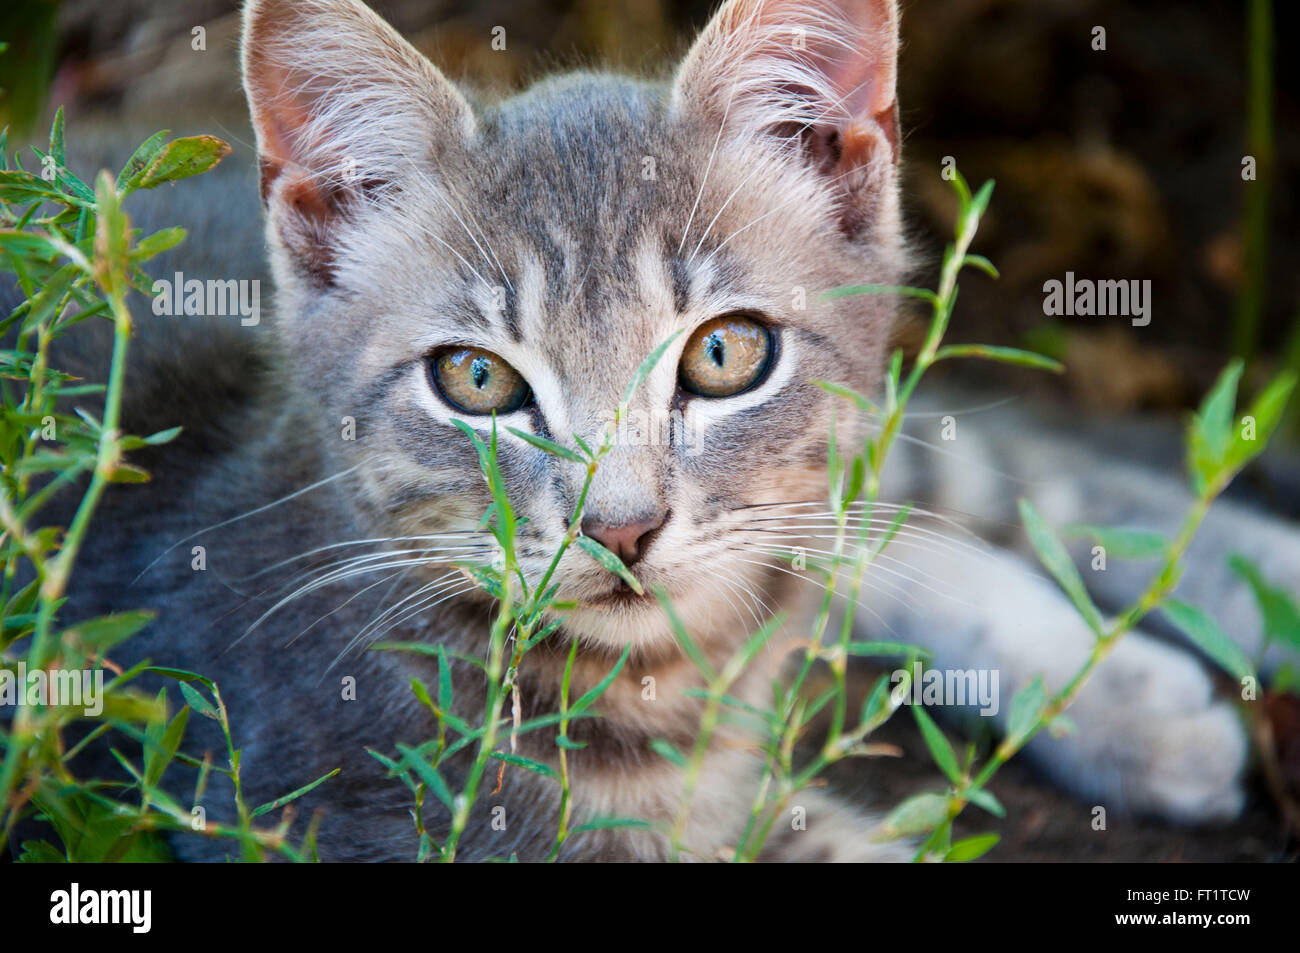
(522,615)
(75,257)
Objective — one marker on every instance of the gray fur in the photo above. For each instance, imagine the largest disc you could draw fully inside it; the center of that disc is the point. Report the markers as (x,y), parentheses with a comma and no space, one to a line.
(544,194)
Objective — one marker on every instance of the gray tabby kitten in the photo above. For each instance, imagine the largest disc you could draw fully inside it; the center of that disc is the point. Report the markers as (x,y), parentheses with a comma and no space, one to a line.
(438,260)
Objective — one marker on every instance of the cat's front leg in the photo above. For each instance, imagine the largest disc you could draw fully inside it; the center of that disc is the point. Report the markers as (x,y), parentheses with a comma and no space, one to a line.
(1150,736)
(820,828)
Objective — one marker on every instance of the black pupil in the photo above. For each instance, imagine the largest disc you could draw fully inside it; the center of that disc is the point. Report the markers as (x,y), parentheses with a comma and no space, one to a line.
(479,369)
(713,346)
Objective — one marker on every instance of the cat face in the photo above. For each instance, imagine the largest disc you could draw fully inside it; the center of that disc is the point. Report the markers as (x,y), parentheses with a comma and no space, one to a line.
(438,263)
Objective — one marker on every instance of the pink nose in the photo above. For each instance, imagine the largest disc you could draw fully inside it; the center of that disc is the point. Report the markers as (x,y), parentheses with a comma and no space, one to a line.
(627,541)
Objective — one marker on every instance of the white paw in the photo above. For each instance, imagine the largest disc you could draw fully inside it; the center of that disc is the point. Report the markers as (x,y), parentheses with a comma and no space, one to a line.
(1152,738)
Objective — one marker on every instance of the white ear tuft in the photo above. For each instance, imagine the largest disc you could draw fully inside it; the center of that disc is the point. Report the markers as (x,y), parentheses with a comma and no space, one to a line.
(343,108)
(816,77)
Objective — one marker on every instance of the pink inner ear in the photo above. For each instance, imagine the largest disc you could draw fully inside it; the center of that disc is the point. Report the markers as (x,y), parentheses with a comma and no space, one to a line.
(864,82)
(850,46)
(282,123)
(279,120)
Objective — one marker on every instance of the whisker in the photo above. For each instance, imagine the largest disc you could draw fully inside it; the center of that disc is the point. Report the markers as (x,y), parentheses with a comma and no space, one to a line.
(361,542)
(330,572)
(726,582)
(342,605)
(885,569)
(236,519)
(454,552)
(917,441)
(912,534)
(433,598)
(820,585)
(355,640)
(330,579)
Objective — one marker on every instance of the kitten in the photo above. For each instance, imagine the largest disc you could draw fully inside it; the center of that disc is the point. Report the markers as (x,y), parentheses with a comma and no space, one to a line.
(437,260)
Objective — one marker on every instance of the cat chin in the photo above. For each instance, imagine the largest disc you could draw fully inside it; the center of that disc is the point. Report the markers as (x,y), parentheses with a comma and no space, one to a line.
(640,621)
(642,624)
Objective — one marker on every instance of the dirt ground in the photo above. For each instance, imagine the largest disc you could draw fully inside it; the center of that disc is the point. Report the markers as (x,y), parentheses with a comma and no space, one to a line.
(1045,824)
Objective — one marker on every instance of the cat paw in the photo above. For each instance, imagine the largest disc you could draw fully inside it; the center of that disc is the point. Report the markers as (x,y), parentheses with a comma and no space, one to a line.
(825,830)
(1152,738)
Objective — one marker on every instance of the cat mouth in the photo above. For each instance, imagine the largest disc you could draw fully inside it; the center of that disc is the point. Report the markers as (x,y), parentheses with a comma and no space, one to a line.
(622,596)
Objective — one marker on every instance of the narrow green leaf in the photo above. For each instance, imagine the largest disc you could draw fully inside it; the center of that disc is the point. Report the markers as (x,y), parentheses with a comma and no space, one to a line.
(421,692)
(667,749)
(971,848)
(50,296)
(549,446)
(110,239)
(610,562)
(1120,543)
(57,148)
(683,637)
(445,692)
(1216,409)
(1197,625)
(144,154)
(528,763)
(916,815)
(647,366)
(1027,707)
(983,264)
(1265,413)
(1279,611)
(157,243)
(157,757)
(939,747)
(181,675)
(1057,561)
(426,773)
(886,649)
(589,697)
(924,294)
(98,636)
(1003,355)
(197,701)
(839,390)
(985,799)
(877,704)
(282,801)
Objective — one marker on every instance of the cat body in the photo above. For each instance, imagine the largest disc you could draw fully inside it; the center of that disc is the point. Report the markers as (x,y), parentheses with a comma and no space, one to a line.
(568,232)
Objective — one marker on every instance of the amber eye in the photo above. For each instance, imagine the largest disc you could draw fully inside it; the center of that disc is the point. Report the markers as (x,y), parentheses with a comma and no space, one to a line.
(477,381)
(726,356)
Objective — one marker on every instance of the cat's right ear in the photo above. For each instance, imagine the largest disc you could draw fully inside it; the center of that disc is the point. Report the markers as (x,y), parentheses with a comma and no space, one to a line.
(344,110)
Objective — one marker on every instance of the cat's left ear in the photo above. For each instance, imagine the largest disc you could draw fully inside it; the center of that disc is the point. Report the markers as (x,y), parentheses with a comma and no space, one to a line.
(818,77)
(344,109)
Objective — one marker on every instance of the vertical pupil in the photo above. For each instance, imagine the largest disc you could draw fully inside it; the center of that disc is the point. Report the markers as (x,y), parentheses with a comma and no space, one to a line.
(713,347)
(479,369)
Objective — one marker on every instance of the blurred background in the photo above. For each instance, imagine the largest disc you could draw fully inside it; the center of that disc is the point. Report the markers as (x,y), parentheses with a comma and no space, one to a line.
(1117,163)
